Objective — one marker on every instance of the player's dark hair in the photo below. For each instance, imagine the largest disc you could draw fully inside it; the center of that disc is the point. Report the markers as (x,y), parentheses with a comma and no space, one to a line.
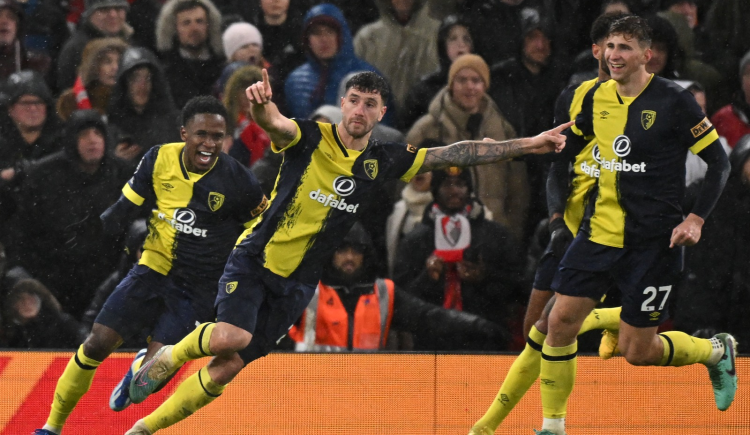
(632,26)
(190,4)
(369,81)
(203,104)
(601,25)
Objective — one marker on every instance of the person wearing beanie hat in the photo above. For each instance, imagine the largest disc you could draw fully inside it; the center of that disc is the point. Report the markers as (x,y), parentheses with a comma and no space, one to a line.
(471,61)
(462,110)
(733,120)
(243,43)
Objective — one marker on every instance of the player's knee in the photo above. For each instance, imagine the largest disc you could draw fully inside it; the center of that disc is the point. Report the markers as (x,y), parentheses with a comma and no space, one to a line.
(227,339)
(636,358)
(99,346)
(224,370)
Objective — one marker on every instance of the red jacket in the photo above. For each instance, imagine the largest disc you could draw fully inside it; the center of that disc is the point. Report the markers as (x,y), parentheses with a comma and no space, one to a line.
(731,123)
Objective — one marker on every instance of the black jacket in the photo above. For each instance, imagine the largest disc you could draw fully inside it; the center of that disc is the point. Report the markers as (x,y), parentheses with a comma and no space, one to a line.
(189,78)
(62,243)
(159,122)
(495,297)
(716,290)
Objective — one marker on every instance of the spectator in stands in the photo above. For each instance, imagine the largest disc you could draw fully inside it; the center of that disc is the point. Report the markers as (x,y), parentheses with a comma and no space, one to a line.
(14,55)
(35,319)
(409,210)
(670,60)
(243,43)
(188,38)
(353,310)
(280,23)
(330,56)
(401,44)
(463,111)
(453,40)
(101,19)
(62,242)
(456,258)
(613,6)
(43,29)
(525,89)
(249,141)
(716,292)
(729,36)
(733,120)
(141,108)
(97,77)
(29,130)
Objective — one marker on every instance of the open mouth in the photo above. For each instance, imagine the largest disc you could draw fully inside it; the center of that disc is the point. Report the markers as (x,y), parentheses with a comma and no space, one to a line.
(204,157)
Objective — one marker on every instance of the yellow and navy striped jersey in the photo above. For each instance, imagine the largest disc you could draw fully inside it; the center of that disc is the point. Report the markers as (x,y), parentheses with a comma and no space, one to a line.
(568,107)
(321,189)
(196,217)
(639,155)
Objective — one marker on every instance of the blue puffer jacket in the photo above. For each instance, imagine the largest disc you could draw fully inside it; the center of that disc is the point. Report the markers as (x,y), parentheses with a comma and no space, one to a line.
(301,83)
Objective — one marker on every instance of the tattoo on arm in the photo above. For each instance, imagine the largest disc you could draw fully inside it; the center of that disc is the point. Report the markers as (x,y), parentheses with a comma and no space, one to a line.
(470,153)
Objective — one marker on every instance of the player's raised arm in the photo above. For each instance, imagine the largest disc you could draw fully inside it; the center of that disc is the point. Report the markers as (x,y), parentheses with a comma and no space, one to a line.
(471,153)
(281,129)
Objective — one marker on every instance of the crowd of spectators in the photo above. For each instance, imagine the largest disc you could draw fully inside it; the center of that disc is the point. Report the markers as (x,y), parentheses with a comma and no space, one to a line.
(88,86)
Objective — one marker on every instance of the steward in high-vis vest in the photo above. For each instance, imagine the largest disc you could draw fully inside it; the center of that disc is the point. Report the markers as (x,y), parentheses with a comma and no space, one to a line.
(353,311)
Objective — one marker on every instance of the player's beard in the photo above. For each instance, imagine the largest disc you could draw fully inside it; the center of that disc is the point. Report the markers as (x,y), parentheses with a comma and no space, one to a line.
(358,135)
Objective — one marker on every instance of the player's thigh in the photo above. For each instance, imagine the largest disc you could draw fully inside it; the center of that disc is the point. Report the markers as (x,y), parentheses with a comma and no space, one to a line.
(646,279)
(277,314)
(241,291)
(134,304)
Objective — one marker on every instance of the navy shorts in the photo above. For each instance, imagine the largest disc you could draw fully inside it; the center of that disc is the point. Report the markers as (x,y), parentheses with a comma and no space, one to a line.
(148,300)
(257,300)
(645,277)
(545,271)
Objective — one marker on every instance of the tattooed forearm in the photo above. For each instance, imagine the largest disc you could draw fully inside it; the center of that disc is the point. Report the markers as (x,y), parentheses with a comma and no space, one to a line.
(470,153)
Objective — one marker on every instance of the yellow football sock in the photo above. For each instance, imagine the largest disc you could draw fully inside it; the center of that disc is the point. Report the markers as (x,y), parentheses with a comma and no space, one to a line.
(681,349)
(194,345)
(193,394)
(72,385)
(557,375)
(520,378)
(602,318)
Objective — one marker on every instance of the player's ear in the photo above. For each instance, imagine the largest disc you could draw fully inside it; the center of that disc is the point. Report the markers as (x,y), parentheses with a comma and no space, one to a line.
(183,133)
(596,51)
(382,113)
(648,54)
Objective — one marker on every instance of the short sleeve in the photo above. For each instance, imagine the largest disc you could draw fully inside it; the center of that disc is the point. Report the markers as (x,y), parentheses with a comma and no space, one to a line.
(294,142)
(141,185)
(253,202)
(406,159)
(693,126)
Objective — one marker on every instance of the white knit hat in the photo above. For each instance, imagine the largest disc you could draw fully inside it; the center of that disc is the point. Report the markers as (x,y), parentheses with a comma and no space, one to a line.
(238,35)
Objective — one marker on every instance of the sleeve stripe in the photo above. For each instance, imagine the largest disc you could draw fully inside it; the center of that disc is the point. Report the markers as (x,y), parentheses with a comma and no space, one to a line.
(707,140)
(577,131)
(418,161)
(132,195)
(294,142)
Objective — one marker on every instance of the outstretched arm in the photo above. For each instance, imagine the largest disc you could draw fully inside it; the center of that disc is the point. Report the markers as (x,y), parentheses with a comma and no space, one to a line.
(281,129)
(471,153)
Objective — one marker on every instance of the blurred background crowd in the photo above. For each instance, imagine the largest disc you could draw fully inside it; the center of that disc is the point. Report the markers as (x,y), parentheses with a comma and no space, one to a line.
(88,86)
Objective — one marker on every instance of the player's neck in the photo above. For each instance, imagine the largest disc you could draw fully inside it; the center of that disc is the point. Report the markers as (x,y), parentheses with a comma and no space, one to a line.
(351,142)
(633,85)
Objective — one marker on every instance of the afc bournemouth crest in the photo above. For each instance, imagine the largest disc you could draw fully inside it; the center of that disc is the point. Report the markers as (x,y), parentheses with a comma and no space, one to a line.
(215,201)
(231,286)
(371,168)
(648,117)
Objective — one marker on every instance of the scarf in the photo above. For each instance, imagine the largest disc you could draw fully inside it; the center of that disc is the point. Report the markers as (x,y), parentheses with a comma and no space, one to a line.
(82,96)
(452,237)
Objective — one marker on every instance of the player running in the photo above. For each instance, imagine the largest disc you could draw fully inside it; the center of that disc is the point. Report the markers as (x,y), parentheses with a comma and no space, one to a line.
(328,174)
(202,200)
